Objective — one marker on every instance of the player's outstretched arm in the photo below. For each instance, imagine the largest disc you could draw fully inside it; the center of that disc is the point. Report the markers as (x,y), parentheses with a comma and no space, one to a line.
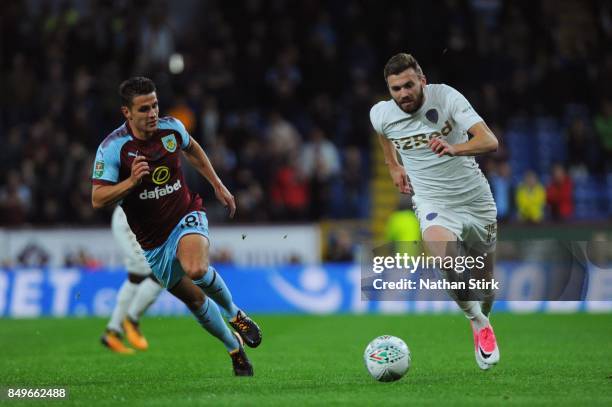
(105,195)
(199,160)
(483,141)
(396,170)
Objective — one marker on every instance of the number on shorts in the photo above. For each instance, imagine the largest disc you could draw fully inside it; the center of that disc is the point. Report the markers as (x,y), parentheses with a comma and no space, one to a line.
(191,221)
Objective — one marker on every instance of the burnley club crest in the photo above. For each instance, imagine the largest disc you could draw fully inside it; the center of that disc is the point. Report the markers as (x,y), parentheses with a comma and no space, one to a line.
(169,143)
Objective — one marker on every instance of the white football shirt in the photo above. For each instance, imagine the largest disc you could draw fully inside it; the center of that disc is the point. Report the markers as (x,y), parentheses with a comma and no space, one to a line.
(446,113)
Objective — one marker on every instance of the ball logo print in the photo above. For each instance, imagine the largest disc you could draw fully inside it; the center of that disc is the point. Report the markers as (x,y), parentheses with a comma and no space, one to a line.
(387,358)
(161,175)
(386,355)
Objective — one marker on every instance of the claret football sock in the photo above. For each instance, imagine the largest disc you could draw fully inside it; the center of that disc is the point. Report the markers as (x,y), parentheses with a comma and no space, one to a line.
(210,318)
(213,286)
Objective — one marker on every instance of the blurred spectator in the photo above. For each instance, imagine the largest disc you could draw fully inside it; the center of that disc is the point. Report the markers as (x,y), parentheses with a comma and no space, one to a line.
(289,191)
(254,80)
(15,200)
(501,186)
(156,39)
(583,147)
(282,137)
(209,118)
(250,198)
(350,190)
(32,255)
(559,194)
(603,126)
(283,78)
(82,259)
(319,156)
(340,247)
(320,163)
(530,199)
(182,111)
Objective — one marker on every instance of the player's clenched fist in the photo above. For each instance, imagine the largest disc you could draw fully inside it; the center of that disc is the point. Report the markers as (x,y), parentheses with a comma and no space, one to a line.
(441,147)
(140,168)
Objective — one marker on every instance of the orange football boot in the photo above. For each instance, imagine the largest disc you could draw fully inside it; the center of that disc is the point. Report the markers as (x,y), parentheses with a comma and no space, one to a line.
(133,335)
(112,340)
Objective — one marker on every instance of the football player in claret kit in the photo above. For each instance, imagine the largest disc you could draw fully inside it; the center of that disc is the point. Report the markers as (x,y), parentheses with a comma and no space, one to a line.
(428,125)
(138,166)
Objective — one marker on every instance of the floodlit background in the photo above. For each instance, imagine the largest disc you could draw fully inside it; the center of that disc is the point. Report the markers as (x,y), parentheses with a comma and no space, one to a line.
(278,93)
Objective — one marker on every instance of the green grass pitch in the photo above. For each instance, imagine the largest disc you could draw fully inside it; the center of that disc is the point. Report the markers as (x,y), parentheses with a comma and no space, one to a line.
(316,360)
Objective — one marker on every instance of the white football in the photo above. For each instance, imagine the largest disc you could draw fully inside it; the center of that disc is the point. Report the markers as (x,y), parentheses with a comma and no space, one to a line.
(387,358)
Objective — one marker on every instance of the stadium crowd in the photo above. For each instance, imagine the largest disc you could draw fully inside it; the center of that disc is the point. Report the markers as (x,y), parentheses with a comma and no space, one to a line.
(278,93)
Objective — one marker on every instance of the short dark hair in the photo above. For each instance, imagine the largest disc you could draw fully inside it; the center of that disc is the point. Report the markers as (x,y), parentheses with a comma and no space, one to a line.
(398,63)
(136,86)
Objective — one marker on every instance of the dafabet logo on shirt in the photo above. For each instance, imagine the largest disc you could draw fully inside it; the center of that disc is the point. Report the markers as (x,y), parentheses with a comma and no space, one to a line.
(159,192)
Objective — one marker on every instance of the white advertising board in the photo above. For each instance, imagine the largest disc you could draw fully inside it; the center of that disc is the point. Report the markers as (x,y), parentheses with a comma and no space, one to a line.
(243,245)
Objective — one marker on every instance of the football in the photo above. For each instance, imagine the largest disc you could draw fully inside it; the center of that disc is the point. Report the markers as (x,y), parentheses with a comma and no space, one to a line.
(387,358)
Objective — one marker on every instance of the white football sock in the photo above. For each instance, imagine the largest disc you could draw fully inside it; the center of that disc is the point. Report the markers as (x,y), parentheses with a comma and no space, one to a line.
(147,293)
(472,311)
(124,298)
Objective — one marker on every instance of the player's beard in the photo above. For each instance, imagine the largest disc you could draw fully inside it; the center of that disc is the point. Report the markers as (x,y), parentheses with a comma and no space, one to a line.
(417,103)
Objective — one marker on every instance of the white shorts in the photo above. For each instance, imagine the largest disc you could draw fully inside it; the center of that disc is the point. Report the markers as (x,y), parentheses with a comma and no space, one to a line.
(134,259)
(474,223)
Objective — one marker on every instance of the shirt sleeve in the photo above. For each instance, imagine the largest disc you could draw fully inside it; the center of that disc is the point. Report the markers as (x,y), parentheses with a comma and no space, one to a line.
(178,126)
(106,166)
(461,110)
(376,118)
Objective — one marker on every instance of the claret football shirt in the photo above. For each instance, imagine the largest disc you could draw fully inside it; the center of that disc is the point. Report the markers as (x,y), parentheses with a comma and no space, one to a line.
(155,206)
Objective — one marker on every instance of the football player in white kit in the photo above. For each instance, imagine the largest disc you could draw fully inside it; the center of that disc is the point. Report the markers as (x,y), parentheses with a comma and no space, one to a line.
(428,125)
(137,293)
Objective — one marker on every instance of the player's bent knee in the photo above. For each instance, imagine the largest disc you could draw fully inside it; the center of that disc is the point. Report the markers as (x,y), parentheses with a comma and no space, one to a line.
(196,271)
(437,233)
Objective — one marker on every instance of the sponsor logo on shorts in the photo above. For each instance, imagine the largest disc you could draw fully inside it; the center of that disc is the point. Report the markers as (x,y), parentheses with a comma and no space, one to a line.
(98,169)
(169,143)
(159,192)
(161,175)
(431,216)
